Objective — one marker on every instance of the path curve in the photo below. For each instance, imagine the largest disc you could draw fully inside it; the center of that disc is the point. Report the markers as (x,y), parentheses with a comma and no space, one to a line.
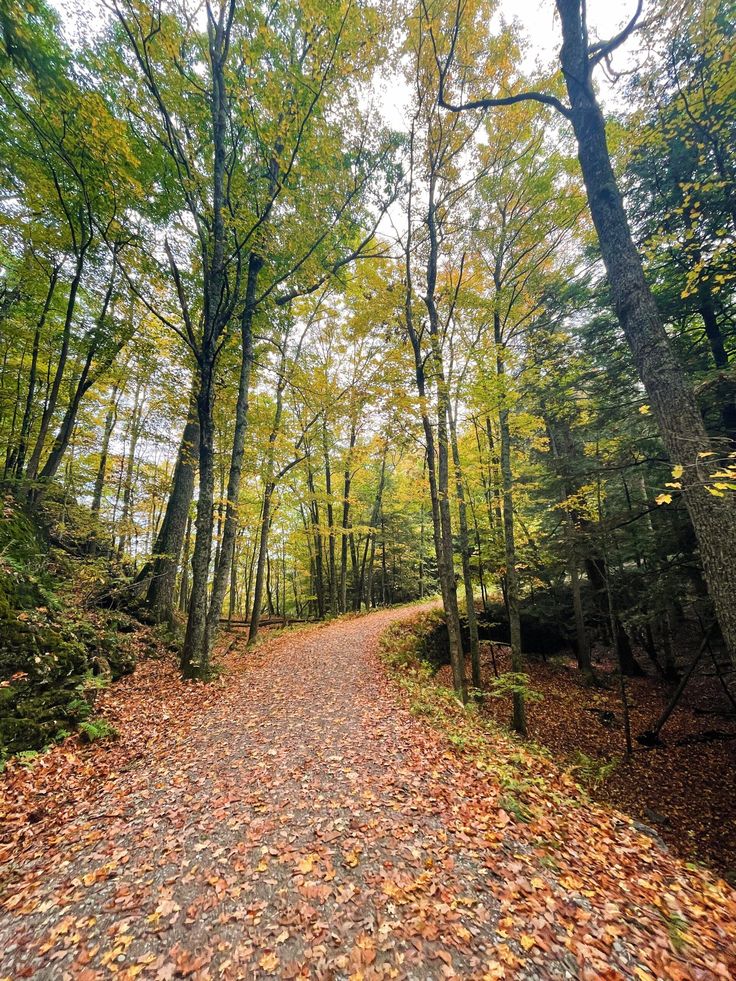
(308,825)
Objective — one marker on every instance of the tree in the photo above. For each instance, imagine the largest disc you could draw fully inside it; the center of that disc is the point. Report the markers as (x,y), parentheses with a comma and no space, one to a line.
(712,512)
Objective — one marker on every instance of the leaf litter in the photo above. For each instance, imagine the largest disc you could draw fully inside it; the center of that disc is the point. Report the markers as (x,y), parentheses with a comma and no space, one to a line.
(296,820)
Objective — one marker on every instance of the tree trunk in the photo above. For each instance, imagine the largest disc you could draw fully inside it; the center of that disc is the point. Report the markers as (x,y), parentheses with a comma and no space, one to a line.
(511,577)
(720,359)
(465,553)
(330,522)
(268,490)
(255,616)
(50,405)
(445,560)
(222,567)
(195,657)
(319,589)
(110,420)
(512,582)
(25,426)
(673,402)
(175,525)
(347,481)
(184,584)
(85,382)
(562,454)
(127,486)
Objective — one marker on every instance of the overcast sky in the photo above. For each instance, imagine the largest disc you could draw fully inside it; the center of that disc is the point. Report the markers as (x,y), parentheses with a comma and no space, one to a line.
(536,17)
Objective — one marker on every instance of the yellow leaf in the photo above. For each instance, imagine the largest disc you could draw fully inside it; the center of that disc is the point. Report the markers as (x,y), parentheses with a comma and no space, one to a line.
(643,975)
(645,410)
(527,941)
(677,471)
(269,963)
(664,499)
(307,864)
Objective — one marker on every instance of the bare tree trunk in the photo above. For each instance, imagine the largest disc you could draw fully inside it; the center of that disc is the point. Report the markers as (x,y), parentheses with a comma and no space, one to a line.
(84,383)
(512,578)
(176,524)
(135,432)
(330,522)
(347,481)
(232,599)
(268,490)
(465,553)
(437,456)
(582,645)
(195,661)
(512,581)
(255,617)
(110,420)
(25,426)
(319,589)
(184,584)
(195,656)
(222,566)
(53,395)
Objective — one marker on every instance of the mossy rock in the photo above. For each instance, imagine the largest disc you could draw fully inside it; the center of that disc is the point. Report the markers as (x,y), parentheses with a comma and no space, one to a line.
(39,651)
(17,734)
(48,654)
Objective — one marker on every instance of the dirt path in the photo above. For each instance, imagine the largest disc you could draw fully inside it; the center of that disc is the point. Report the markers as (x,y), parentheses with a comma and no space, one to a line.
(304,824)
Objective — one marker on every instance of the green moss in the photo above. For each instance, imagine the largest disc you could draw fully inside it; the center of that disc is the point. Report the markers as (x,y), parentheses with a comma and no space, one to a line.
(50,647)
(18,734)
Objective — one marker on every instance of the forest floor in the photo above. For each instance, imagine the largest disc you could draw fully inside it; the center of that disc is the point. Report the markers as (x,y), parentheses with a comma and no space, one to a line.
(684,788)
(297,819)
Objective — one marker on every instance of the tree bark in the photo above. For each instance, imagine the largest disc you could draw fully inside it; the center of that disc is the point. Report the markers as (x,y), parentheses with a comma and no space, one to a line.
(445,561)
(330,522)
(222,568)
(176,522)
(512,579)
(25,426)
(465,553)
(50,405)
(347,481)
(110,420)
(195,661)
(127,486)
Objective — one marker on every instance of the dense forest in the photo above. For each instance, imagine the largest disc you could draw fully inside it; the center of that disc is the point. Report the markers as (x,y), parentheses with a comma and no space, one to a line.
(314,309)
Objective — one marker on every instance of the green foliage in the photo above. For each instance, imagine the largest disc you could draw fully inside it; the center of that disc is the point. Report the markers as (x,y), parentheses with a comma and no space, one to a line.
(50,648)
(94,730)
(516,768)
(592,772)
(512,806)
(513,683)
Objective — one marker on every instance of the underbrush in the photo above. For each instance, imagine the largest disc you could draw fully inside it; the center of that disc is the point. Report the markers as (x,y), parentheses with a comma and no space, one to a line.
(523,770)
(677,790)
(56,649)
